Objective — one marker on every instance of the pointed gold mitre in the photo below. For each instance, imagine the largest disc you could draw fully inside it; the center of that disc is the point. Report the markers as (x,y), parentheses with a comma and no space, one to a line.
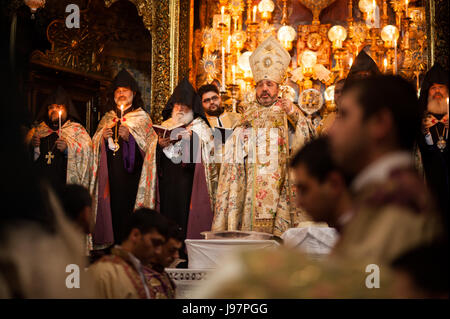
(269,61)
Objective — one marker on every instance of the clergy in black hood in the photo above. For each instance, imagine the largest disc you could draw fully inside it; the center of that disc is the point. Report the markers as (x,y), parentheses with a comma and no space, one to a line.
(363,66)
(60,146)
(124,169)
(180,159)
(433,140)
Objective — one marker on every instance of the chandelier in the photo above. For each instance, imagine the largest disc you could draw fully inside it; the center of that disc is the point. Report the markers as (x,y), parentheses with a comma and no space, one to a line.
(321,53)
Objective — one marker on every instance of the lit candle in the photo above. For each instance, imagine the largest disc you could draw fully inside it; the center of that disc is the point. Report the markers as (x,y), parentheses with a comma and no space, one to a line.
(222,13)
(385,65)
(233,71)
(229,44)
(121,112)
(223,69)
(350,62)
(446,135)
(395,53)
(254,13)
(59,130)
(406,8)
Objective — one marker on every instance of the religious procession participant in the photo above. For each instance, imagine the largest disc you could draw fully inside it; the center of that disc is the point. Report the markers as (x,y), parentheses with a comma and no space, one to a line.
(121,275)
(187,174)
(254,192)
(371,139)
(159,282)
(61,147)
(124,170)
(433,142)
(214,109)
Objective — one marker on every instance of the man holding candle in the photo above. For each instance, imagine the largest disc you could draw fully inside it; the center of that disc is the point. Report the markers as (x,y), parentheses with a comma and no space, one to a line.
(254,191)
(124,169)
(61,147)
(433,142)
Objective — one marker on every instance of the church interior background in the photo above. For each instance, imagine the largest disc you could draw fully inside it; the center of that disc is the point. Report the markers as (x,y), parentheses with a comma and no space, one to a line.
(160,42)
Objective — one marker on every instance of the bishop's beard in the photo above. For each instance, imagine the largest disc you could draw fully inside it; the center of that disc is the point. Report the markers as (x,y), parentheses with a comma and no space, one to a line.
(437,105)
(183,118)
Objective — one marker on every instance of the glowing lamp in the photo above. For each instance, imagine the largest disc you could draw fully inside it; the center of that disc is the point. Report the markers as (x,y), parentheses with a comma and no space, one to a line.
(266,8)
(244,63)
(286,34)
(389,34)
(366,6)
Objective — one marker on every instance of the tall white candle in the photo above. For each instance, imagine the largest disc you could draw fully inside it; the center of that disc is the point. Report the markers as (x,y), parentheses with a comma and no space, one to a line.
(446,135)
(233,70)
(395,54)
(223,69)
(222,14)
(254,14)
(121,112)
(385,65)
(59,130)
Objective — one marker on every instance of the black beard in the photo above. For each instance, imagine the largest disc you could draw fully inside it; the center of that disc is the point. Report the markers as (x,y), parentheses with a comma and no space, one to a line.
(217,112)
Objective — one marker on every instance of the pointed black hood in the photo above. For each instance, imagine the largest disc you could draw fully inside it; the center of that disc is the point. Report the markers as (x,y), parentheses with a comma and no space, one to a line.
(437,75)
(363,62)
(125,79)
(60,97)
(184,93)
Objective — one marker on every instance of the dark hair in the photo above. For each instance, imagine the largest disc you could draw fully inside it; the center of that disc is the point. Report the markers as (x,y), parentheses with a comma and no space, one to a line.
(427,265)
(74,199)
(174,231)
(316,156)
(396,95)
(207,88)
(146,220)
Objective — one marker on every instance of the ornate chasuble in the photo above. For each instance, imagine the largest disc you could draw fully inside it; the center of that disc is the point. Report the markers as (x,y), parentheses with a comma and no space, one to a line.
(390,218)
(79,150)
(254,191)
(159,284)
(116,277)
(140,126)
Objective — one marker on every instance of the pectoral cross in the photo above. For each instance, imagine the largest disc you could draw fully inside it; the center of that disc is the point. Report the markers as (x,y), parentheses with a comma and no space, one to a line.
(49,157)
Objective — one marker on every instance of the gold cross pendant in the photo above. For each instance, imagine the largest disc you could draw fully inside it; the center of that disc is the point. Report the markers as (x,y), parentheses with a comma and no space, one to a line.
(49,157)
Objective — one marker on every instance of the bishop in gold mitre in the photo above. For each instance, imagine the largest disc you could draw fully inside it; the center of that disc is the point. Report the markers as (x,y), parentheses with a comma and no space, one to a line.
(254,192)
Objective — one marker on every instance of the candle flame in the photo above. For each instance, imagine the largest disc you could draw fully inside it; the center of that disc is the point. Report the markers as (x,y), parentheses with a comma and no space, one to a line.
(121,107)
(60,113)
(350,62)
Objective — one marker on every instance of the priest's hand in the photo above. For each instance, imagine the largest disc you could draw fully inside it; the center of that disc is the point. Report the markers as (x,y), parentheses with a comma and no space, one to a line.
(164,141)
(36,141)
(287,106)
(61,145)
(124,132)
(107,133)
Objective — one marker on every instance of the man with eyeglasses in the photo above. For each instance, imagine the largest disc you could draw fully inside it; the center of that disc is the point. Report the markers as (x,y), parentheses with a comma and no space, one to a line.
(214,110)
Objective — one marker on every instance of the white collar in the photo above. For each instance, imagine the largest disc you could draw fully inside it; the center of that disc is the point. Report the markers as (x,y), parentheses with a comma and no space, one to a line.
(379,170)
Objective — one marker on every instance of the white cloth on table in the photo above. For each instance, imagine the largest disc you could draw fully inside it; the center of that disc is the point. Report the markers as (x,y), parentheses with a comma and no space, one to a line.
(207,254)
(311,239)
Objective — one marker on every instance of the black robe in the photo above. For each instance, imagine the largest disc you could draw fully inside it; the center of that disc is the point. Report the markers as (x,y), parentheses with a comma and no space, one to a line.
(123,185)
(435,162)
(55,172)
(175,185)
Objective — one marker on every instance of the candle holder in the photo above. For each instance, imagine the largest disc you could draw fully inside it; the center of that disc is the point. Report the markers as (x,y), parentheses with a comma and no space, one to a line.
(234,90)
